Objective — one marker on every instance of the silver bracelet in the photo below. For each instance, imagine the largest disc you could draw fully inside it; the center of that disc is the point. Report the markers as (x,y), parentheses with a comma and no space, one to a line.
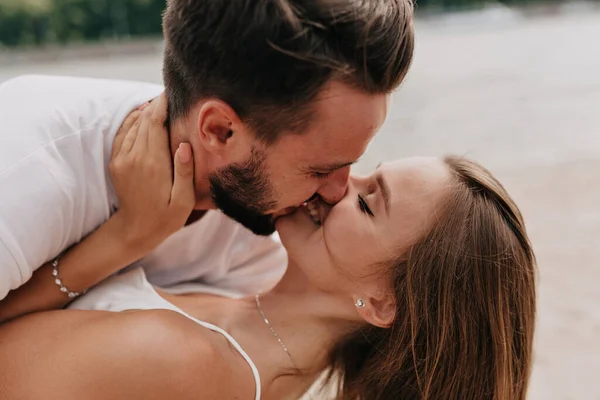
(59,283)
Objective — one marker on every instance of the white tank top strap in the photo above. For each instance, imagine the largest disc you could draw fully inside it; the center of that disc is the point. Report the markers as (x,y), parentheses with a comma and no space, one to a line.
(234,343)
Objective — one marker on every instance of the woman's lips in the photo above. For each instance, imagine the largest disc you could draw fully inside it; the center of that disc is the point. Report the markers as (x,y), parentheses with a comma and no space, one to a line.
(315,208)
(318,210)
(314,211)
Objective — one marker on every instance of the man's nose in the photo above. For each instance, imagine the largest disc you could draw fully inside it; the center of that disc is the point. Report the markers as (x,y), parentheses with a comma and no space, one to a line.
(334,189)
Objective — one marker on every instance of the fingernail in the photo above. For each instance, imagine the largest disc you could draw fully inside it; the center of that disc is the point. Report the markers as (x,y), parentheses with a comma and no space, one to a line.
(184,153)
(142,106)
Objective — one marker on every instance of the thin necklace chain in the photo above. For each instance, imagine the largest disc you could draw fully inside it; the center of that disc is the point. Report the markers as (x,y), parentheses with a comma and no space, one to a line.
(283,346)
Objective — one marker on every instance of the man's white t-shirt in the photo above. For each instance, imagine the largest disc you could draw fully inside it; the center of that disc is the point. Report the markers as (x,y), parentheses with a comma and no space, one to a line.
(56,135)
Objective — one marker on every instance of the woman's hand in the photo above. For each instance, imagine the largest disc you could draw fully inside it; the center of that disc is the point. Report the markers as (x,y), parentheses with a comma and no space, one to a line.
(154,200)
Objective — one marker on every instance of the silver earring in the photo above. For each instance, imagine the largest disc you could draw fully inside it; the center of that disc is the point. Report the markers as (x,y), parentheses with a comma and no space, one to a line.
(359,303)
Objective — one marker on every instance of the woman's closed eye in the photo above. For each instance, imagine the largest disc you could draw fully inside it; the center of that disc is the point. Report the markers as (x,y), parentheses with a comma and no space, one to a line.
(364,207)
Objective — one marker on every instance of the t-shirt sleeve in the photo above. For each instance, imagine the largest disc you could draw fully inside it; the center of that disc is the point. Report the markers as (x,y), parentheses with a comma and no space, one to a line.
(10,275)
(38,186)
(35,218)
(55,139)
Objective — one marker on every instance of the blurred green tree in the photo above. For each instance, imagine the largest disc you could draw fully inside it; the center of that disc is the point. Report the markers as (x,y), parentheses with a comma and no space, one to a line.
(37,22)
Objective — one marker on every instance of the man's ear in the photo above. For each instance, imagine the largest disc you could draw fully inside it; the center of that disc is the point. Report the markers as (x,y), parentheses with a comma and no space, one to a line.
(219,126)
(377,310)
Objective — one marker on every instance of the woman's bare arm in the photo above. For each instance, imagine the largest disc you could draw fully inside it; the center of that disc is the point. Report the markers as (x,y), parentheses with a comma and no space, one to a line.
(98,256)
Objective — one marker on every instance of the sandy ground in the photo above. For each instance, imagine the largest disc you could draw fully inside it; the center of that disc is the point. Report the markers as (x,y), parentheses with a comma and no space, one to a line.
(522,95)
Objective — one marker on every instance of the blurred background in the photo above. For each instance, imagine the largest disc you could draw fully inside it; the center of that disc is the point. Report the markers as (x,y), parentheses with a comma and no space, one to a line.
(512,84)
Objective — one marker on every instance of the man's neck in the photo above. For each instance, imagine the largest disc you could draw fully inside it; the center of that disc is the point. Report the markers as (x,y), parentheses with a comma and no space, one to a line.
(179,132)
(195,216)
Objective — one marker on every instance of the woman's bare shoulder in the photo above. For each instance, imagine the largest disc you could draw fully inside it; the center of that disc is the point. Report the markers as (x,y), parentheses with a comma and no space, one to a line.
(186,357)
(150,354)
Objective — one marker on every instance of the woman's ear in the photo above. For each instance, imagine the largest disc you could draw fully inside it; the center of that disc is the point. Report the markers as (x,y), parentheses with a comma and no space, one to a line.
(377,311)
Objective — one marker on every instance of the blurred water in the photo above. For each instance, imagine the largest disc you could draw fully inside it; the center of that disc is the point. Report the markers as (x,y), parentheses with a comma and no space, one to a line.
(526,91)
(497,84)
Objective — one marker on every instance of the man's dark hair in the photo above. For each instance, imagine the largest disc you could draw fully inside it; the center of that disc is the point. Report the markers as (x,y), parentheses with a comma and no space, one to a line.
(269,58)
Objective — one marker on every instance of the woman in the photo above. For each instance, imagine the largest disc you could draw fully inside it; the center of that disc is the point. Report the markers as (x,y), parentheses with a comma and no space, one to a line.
(419,284)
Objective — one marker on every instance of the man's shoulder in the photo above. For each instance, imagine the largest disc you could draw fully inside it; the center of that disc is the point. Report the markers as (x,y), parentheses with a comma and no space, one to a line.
(32,80)
(23,81)
(37,110)
(46,96)
(39,82)
(36,89)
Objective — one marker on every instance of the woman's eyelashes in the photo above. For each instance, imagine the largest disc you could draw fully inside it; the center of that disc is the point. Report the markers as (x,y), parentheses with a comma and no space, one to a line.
(364,207)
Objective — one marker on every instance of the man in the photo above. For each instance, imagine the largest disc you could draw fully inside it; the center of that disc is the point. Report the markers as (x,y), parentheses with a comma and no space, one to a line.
(277,99)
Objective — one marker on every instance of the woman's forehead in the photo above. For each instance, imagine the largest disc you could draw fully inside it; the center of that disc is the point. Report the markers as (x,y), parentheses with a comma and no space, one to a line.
(414,178)
(417,186)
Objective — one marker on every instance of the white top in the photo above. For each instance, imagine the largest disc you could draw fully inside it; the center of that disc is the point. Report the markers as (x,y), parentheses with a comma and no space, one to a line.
(132,291)
(56,135)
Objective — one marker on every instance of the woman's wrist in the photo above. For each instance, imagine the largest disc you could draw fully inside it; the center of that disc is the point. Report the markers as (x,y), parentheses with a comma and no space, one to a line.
(113,246)
(130,238)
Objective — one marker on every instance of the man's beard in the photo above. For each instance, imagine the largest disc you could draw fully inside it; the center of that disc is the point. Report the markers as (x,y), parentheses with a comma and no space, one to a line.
(244,193)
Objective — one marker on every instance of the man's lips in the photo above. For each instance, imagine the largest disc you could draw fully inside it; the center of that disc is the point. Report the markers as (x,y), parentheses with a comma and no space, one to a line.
(289,210)
(283,212)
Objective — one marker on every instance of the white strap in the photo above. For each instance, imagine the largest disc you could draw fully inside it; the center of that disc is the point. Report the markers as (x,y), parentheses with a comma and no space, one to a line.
(233,342)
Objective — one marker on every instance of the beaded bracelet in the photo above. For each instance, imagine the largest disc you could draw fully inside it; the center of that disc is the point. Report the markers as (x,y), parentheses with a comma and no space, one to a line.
(59,283)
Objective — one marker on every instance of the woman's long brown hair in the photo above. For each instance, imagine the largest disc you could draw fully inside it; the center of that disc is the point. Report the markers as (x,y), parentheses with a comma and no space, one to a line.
(466,306)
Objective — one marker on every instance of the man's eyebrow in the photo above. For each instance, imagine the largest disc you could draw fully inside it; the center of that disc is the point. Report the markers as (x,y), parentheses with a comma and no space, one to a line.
(333,166)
